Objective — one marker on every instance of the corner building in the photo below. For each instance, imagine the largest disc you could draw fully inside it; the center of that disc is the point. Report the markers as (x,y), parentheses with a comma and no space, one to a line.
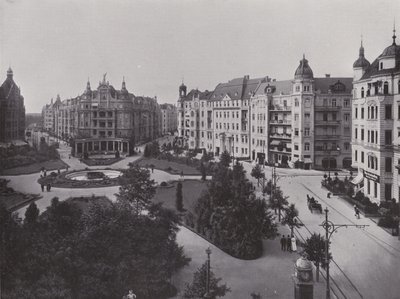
(104,120)
(304,122)
(376,124)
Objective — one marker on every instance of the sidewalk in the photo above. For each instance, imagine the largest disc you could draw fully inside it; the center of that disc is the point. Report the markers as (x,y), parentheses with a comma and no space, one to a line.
(269,275)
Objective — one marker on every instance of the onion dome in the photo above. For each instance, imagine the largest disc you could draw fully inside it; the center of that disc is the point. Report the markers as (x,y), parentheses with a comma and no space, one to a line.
(393,49)
(304,71)
(361,61)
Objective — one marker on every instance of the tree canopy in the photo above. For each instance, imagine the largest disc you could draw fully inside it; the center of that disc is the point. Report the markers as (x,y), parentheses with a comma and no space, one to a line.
(101,251)
(231,216)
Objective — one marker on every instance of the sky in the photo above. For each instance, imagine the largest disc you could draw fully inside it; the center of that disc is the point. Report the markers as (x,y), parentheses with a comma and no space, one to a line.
(54,46)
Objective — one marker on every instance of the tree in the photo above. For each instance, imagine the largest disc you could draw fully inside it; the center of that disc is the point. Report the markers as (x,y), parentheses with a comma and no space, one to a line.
(198,287)
(31,215)
(147,151)
(268,187)
(257,173)
(290,217)
(231,216)
(314,247)
(136,188)
(225,159)
(203,171)
(277,200)
(179,197)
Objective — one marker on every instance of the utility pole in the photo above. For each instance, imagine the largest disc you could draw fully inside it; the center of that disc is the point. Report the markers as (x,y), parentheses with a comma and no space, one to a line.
(207,294)
(330,228)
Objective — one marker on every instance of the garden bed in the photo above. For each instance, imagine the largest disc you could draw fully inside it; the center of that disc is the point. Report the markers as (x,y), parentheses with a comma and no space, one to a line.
(35,167)
(168,166)
(63,181)
(101,161)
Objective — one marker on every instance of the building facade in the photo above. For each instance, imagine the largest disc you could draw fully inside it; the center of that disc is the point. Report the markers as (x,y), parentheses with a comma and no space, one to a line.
(304,122)
(104,120)
(169,118)
(12,111)
(376,124)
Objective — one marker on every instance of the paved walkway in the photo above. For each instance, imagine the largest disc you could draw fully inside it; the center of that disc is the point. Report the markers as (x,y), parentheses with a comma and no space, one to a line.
(269,275)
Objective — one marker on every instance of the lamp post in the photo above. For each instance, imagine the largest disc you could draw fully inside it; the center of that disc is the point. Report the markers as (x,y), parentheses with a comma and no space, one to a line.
(207,294)
(329,160)
(330,228)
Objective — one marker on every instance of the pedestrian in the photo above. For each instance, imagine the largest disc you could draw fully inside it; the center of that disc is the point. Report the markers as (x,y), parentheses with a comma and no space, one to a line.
(45,173)
(42,186)
(131,295)
(288,241)
(355,210)
(48,187)
(357,213)
(293,243)
(58,171)
(283,243)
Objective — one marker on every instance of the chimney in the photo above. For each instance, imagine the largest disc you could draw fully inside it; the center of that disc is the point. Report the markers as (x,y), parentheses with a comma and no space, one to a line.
(246,77)
(327,75)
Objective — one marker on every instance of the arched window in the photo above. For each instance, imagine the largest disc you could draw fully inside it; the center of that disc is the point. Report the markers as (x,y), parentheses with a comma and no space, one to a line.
(362,92)
(386,88)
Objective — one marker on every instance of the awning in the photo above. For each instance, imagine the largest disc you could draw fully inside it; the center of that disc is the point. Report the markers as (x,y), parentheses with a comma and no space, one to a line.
(275,142)
(307,160)
(358,179)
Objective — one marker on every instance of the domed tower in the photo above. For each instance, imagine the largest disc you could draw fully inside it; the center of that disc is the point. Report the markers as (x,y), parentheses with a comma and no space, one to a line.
(10,73)
(123,88)
(181,108)
(182,90)
(303,77)
(361,64)
(303,105)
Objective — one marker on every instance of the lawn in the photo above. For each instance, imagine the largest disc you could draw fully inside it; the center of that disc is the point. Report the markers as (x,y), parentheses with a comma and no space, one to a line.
(35,167)
(191,192)
(171,167)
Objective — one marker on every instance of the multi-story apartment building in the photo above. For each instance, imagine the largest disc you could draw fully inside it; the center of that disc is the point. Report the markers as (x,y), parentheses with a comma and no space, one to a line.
(12,111)
(169,118)
(376,123)
(304,122)
(104,120)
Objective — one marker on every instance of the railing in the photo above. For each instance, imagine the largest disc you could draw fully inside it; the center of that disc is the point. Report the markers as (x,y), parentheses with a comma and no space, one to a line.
(280,122)
(325,137)
(327,108)
(327,122)
(281,136)
(280,108)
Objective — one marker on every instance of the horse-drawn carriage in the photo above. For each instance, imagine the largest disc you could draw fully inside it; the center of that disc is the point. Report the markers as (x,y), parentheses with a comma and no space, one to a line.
(313,204)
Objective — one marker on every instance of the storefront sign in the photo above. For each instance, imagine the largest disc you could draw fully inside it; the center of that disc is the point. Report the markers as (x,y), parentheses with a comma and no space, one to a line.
(371,176)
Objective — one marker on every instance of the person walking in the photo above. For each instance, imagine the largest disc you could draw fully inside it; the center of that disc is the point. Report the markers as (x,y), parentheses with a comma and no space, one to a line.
(288,240)
(357,213)
(294,244)
(42,186)
(48,187)
(283,243)
(131,295)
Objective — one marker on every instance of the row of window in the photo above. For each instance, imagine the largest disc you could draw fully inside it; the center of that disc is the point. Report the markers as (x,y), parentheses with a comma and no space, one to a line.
(372,136)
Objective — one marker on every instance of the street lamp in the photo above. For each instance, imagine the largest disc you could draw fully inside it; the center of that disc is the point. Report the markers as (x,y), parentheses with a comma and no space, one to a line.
(330,228)
(207,294)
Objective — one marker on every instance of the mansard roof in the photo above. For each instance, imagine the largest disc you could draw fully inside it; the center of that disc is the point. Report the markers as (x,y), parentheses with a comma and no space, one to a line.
(275,87)
(333,84)
(237,89)
(373,70)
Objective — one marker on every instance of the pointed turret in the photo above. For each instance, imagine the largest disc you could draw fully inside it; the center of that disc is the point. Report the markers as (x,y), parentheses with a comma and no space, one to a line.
(10,73)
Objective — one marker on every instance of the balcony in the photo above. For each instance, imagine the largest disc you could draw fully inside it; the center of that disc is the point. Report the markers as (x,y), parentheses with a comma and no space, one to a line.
(280,108)
(282,122)
(327,137)
(327,108)
(280,136)
(327,123)
(326,152)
